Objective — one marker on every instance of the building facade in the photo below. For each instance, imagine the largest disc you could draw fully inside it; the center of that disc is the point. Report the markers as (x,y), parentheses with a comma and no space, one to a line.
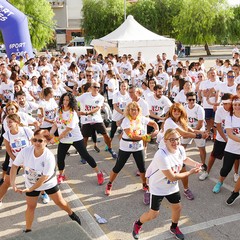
(68,17)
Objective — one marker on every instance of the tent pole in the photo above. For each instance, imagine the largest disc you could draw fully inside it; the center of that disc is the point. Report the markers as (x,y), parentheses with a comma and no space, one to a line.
(125,13)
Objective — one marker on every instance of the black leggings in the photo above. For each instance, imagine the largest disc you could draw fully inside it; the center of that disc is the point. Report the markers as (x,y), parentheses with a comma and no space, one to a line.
(124,156)
(81,149)
(113,129)
(228,161)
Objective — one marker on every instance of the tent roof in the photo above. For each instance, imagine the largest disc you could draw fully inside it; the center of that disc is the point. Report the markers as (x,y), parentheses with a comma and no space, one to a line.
(131,30)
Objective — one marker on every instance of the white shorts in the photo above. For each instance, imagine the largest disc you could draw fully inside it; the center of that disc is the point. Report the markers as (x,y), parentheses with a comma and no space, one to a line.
(199,142)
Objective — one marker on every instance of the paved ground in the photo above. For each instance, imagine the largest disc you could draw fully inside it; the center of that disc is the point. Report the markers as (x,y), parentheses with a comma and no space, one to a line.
(207,217)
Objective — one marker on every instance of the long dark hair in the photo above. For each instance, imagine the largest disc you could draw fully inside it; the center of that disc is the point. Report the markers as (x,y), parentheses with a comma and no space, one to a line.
(72,101)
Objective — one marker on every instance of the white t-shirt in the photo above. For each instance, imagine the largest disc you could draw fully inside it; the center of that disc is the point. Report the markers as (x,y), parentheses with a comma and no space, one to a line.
(174,91)
(113,85)
(124,68)
(141,128)
(144,106)
(96,72)
(49,111)
(87,103)
(18,141)
(159,106)
(35,167)
(207,85)
(224,88)
(29,107)
(181,98)
(159,185)
(75,134)
(162,79)
(7,90)
(121,101)
(194,115)
(57,93)
(233,122)
(220,117)
(139,79)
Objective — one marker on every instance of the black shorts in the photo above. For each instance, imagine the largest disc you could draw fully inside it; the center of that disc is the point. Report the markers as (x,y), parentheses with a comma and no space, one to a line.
(209,114)
(48,191)
(218,149)
(157,200)
(88,129)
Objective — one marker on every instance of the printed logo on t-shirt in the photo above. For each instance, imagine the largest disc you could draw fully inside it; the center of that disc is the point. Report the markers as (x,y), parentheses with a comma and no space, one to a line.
(236,130)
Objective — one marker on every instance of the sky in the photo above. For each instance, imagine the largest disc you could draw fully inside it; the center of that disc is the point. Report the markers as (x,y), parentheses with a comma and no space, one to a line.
(234,2)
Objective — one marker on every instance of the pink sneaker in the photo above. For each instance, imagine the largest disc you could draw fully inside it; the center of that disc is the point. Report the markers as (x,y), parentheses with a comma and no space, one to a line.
(100,178)
(136,230)
(61,178)
(108,189)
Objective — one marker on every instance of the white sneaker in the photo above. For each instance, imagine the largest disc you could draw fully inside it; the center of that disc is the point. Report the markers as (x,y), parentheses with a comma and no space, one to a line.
(203,176)
(235,177)
(45,198)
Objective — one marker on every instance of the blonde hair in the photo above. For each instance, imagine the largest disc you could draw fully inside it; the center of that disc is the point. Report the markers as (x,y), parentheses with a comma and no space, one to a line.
(12,103)
(183,120)
(130,106)
(14,117)
(169,132)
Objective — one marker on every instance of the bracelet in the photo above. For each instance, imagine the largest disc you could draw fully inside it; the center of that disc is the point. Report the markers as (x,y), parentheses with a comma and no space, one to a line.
(86,113)
(56,139)
(198,136)
(146,138)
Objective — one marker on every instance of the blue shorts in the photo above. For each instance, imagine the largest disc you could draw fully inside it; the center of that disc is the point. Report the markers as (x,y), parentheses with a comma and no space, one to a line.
(209,114)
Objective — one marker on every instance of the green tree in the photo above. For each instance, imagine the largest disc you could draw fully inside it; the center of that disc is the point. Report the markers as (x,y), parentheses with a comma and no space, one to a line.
(40,20)
(203,22)
(101,17)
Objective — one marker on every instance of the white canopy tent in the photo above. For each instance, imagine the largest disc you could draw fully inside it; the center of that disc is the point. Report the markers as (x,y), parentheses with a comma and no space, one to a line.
(131,38)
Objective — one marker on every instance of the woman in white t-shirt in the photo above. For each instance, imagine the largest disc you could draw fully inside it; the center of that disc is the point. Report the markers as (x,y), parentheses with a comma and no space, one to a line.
(120,100)
(134,133)
(176,118)
(39,173)
(163,174)
(47,109)
(112,87)
(67,124)
(16,137)
(232,149)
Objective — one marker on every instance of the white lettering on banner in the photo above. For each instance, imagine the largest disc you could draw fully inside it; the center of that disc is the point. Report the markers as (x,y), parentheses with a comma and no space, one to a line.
(18,54)
(17,45)
(6,12)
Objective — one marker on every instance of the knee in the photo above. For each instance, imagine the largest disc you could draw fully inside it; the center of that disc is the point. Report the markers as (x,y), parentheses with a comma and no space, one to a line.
(153,214)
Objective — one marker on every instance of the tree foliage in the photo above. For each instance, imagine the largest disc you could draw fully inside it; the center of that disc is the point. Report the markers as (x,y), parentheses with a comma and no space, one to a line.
(40,20)
(101,17)
(201,22)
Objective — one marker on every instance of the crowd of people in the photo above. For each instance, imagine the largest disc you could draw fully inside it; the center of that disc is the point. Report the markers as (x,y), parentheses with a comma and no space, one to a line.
(64,100)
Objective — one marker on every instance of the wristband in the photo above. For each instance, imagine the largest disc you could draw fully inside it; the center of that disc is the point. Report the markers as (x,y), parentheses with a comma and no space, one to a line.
(56,139)
(86,113)
(198,136)
(146,138)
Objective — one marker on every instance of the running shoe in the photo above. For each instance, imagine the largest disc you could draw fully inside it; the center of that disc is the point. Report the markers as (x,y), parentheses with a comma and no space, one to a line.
(108,189)
(83,161)
(45,198)
(234,196)
(106,148)
(96,149)
(61,178)
(203,176)
(188,193)
(177,233)
(235,177)
(145,187)
(146,198)
(217,187)
(136,230)
(75,217)
(100,178)
(114,155)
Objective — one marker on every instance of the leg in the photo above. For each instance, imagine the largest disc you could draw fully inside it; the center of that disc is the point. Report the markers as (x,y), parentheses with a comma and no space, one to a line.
(29,214)
(61,154)
(176,212)
(139,160)
(107,140)
(184,180)
(148,216)
(236,166)
(4,187)
(211,161)
(203,154)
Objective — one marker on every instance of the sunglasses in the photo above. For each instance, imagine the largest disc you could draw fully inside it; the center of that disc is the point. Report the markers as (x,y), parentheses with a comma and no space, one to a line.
(176,110)
(96,87)
(230,76)
(191,99)
(37,140)
(89,75)
(199,76)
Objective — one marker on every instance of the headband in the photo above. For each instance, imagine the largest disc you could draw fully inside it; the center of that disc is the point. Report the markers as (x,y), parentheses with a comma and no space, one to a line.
(227,101)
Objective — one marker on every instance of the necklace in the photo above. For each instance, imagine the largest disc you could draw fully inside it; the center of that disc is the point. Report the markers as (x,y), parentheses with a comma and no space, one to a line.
(68,121)
(135,126)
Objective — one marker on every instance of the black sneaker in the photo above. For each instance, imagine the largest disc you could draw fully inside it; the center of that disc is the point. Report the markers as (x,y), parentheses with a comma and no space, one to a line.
(27,230)
(75,217)
(232,198)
